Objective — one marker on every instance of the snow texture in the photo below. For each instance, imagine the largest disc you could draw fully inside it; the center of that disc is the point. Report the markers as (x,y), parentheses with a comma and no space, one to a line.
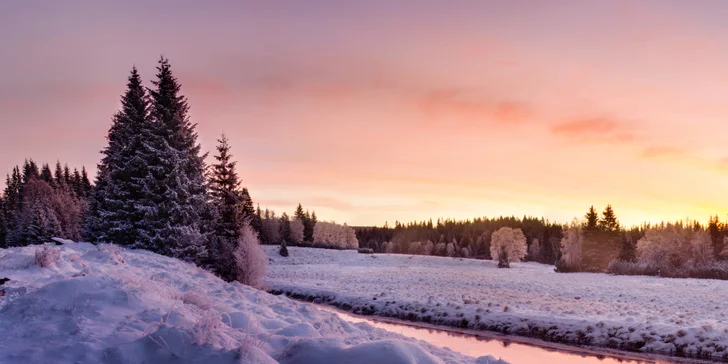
(637,313)
(102,304)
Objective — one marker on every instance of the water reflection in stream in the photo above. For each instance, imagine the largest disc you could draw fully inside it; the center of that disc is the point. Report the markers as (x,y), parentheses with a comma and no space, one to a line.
(514,353)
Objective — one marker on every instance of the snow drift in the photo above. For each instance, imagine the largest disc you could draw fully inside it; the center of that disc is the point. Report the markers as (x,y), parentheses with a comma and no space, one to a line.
(102,304)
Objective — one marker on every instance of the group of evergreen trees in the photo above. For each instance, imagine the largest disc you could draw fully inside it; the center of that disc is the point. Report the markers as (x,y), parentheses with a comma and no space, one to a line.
(154,191)
(150,189)
(38,204)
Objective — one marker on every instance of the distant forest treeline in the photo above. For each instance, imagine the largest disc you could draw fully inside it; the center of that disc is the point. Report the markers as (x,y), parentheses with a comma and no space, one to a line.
(597,241)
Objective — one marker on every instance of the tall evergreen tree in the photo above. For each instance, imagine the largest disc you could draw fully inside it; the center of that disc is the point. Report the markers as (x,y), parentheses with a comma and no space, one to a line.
(592,219)
(11,206)
(608,222)
(46,175)
(115,214)
(67,180)
(58,174)
(284,227)
(30,170)
(228,200)
(175,185)
(85,183)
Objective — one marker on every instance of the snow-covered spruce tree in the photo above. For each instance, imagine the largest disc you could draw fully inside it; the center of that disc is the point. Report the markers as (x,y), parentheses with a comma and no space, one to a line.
(509,245)
(175,197)
(227,199)
(3,223)
(11,207)
(250,260)
(116,203)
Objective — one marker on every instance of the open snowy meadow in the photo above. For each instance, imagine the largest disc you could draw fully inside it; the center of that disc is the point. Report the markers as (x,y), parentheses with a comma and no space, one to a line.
(649,314)
(80,303)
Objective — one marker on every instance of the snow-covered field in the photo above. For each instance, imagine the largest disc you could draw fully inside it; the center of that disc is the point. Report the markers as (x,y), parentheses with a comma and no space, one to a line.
(671,316)
(102,305)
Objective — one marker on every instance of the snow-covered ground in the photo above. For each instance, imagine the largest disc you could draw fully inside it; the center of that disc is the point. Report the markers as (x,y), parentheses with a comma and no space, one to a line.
(671,316)
(102,305)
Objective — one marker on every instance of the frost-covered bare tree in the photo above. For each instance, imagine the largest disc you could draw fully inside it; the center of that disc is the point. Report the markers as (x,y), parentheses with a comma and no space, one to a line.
(296,231)
(535,249)
(571,246)
(332,235)
(415,247)
(429,248)
(250,260)
(465,252)
(440,249)
(675,246)
(508,245)
(450,250)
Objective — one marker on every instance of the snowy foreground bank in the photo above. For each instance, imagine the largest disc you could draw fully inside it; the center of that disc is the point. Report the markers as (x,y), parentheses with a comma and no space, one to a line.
(102,305)
(669,316)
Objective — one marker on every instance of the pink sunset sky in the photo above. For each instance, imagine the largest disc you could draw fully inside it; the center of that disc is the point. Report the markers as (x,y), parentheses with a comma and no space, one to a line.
(374,111)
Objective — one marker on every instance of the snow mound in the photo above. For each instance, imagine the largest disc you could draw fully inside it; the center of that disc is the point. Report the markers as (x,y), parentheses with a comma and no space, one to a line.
(102,304)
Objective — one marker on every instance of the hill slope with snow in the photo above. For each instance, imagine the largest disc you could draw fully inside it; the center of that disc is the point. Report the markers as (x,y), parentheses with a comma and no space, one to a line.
(100,304)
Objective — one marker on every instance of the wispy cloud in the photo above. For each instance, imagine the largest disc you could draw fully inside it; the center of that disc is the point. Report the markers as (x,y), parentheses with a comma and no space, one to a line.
(598,129)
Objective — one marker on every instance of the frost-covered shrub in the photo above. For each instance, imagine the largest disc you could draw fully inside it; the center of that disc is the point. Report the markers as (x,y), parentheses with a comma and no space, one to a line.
(415,247)
(196,299)
(429,248)
(250,260)
(627,268)
(114,252)
(571,247)
(674,247)
(207,329)
(47,256)
(440,249)
(508,244)
(283,251)
(450,250)
(464,252)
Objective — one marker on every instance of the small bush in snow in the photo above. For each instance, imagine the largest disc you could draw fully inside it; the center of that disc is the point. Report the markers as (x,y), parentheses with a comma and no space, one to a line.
(250,260)
(284,250)
(509,245)
(207,328)
(47,256)
(196,299)
(621,267)
(365,251)
(114,252)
